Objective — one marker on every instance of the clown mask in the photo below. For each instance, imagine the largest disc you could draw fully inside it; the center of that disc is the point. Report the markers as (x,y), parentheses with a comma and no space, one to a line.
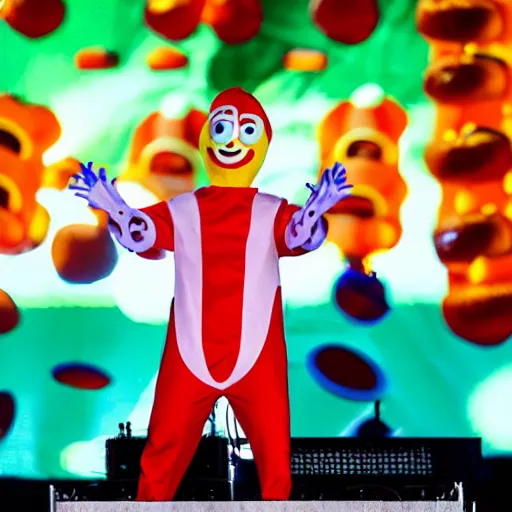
(235,139)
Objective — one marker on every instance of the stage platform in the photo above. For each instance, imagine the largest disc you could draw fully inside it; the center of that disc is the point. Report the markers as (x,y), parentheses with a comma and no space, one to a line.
(260,506)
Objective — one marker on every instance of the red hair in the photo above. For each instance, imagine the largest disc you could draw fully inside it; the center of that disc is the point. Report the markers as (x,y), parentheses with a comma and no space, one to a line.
(245,103)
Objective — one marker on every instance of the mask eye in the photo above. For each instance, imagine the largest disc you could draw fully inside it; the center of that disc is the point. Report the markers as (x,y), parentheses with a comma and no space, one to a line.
(221,131)
(250,134)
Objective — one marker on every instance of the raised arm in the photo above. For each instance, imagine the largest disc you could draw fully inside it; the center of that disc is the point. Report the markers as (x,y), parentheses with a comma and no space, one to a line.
(136,230)
(307,229)
(282,233)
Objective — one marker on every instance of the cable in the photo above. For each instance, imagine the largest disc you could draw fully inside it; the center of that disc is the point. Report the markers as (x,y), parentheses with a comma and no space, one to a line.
(228,429)
(212,420)
(234,442)
(237,435)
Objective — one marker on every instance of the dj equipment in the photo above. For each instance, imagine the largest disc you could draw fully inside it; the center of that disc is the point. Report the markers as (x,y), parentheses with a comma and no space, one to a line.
(207,477)
(388,469)
(123,454)
(323,469)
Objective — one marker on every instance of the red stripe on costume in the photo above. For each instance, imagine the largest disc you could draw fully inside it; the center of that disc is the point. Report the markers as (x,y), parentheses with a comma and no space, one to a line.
(225,221)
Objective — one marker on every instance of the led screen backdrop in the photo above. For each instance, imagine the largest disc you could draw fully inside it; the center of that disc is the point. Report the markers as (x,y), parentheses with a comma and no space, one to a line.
(421,124)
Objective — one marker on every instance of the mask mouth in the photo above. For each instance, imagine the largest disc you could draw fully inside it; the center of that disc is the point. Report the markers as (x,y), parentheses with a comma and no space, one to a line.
(228,154)
(235,158)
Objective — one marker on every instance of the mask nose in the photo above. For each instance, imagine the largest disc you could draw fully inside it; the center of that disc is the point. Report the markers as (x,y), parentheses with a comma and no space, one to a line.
(230,144)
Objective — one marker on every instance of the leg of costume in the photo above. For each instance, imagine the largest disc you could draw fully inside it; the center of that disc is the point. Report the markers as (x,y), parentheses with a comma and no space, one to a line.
(181,408)
(260,402)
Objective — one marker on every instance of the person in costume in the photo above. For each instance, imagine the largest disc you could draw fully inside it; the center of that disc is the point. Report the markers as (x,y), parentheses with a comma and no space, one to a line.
(226,334)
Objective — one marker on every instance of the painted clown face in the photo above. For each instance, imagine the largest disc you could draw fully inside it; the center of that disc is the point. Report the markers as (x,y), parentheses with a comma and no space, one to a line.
(235,139)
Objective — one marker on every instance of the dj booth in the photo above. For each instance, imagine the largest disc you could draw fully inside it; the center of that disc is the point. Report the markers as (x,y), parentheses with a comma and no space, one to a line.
(342,474)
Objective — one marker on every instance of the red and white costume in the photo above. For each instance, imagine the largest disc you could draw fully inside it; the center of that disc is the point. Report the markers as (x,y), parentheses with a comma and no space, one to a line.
(226,333)
(225,336)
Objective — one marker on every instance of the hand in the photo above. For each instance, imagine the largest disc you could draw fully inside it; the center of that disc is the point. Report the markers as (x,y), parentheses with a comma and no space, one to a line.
(331,189)
(96,189)
(133,229)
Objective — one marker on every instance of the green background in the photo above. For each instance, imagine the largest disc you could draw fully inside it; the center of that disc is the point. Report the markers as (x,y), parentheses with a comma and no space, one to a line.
(440,385)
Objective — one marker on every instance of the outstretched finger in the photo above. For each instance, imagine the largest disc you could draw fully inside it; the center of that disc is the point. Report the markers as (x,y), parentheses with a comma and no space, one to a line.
(340,170)
(102,174)
(90,178)
(76,187)
(311,187)
(341,178)
(327,175)
(340,175)
(83,196)
(87,167)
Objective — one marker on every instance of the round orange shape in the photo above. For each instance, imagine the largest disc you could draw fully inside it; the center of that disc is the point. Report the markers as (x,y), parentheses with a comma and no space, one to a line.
(7,413)
(345,21)
(83,254)
(458,79)
(480,314)
(174,20)
(453,20)
(305,60)
(233,21)
(480,156)
(96,58)
(31,18)
(81,376)
(166,58)
(9,314)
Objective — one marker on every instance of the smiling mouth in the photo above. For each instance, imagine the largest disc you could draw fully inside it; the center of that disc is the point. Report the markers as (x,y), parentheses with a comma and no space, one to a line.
(223,152)
(236,164)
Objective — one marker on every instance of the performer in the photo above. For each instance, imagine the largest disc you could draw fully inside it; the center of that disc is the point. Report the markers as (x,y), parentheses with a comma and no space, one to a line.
(226,335)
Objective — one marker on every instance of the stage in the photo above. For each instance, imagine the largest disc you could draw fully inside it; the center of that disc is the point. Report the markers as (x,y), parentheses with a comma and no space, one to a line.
(254,506)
